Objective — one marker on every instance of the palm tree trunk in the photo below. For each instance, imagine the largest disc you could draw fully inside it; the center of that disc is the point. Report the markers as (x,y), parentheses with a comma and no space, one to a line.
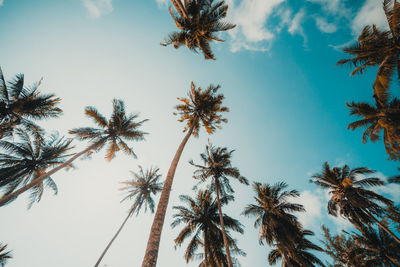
(283,261)
(153,244)
(6,198)
(384,227)
(115,236)
(205,244)
(221,219)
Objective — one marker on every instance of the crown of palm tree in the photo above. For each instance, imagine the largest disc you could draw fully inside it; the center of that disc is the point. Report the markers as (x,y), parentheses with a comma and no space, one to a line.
(114,132)
(298,256)
(198,22)
(201,107)
(349,198)
(378,48)
(21,162)
(376,248)
(273,213)
(4,255)
(19,104)
(201,220)
(385,116)
(339,248)
(217,165)
(141,188)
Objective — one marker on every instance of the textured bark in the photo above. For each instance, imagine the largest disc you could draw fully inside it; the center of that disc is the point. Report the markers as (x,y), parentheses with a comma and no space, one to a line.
(5,199)
(385,228)
(221,219)
(153,244)
(114,237)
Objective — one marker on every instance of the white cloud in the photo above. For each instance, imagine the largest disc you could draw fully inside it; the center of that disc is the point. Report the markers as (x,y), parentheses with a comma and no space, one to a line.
(331,6)
(296,25)
(251,17)
(316,213)
(314,205)
(162,2)
(370,13)
(325,26)
(96,8)
(1,2)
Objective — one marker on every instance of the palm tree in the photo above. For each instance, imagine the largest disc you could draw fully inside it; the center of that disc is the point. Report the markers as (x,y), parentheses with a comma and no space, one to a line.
(202,224)
(350,199)
(297,256)
(112,133)
(377,47)
(273,213)
(385,116)
(141,188)
(19,104)
(23,162)
(201,108)
(217,167)
(4,255)
(340,248)
(198,22)
(378,248)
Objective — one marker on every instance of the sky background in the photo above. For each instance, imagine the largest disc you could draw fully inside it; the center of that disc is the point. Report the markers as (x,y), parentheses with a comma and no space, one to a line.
(276,69)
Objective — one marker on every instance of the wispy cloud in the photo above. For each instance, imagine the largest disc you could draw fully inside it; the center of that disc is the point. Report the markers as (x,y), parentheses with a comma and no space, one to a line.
(370,13)
(325,26)
(1,2)
(97,8)
(314,206)
(296,26)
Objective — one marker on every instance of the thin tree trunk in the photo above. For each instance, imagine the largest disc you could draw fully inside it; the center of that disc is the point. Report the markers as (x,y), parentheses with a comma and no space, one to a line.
(384,228)
(283,261)
(6,198)
(153,244)
(221,219)
(112,240)
(205,244)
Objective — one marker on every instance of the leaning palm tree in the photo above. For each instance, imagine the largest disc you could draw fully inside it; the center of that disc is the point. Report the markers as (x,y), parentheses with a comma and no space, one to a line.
(379,248)
(350,199)
(141,188)
(19,104)
(23,161)
(217,167)
(112,133)
(199,21)
(4,255)
(273,211)
(385,116)
(201,220)
(377,47)
(297,256)
(201,108)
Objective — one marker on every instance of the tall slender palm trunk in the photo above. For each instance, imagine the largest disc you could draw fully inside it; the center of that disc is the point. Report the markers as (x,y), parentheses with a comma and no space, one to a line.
(153,244)
(114,237)
(283,260)
(384,228)
(5,199)
(221,219)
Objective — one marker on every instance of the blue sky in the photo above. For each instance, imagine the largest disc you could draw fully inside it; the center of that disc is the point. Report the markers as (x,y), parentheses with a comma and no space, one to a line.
(277,70)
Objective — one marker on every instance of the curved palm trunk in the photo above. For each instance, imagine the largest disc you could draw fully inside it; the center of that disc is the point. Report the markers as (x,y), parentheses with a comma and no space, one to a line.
(6,198)
(114,237)
(283,261)
(384,228)
(221,219)
(153,244)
